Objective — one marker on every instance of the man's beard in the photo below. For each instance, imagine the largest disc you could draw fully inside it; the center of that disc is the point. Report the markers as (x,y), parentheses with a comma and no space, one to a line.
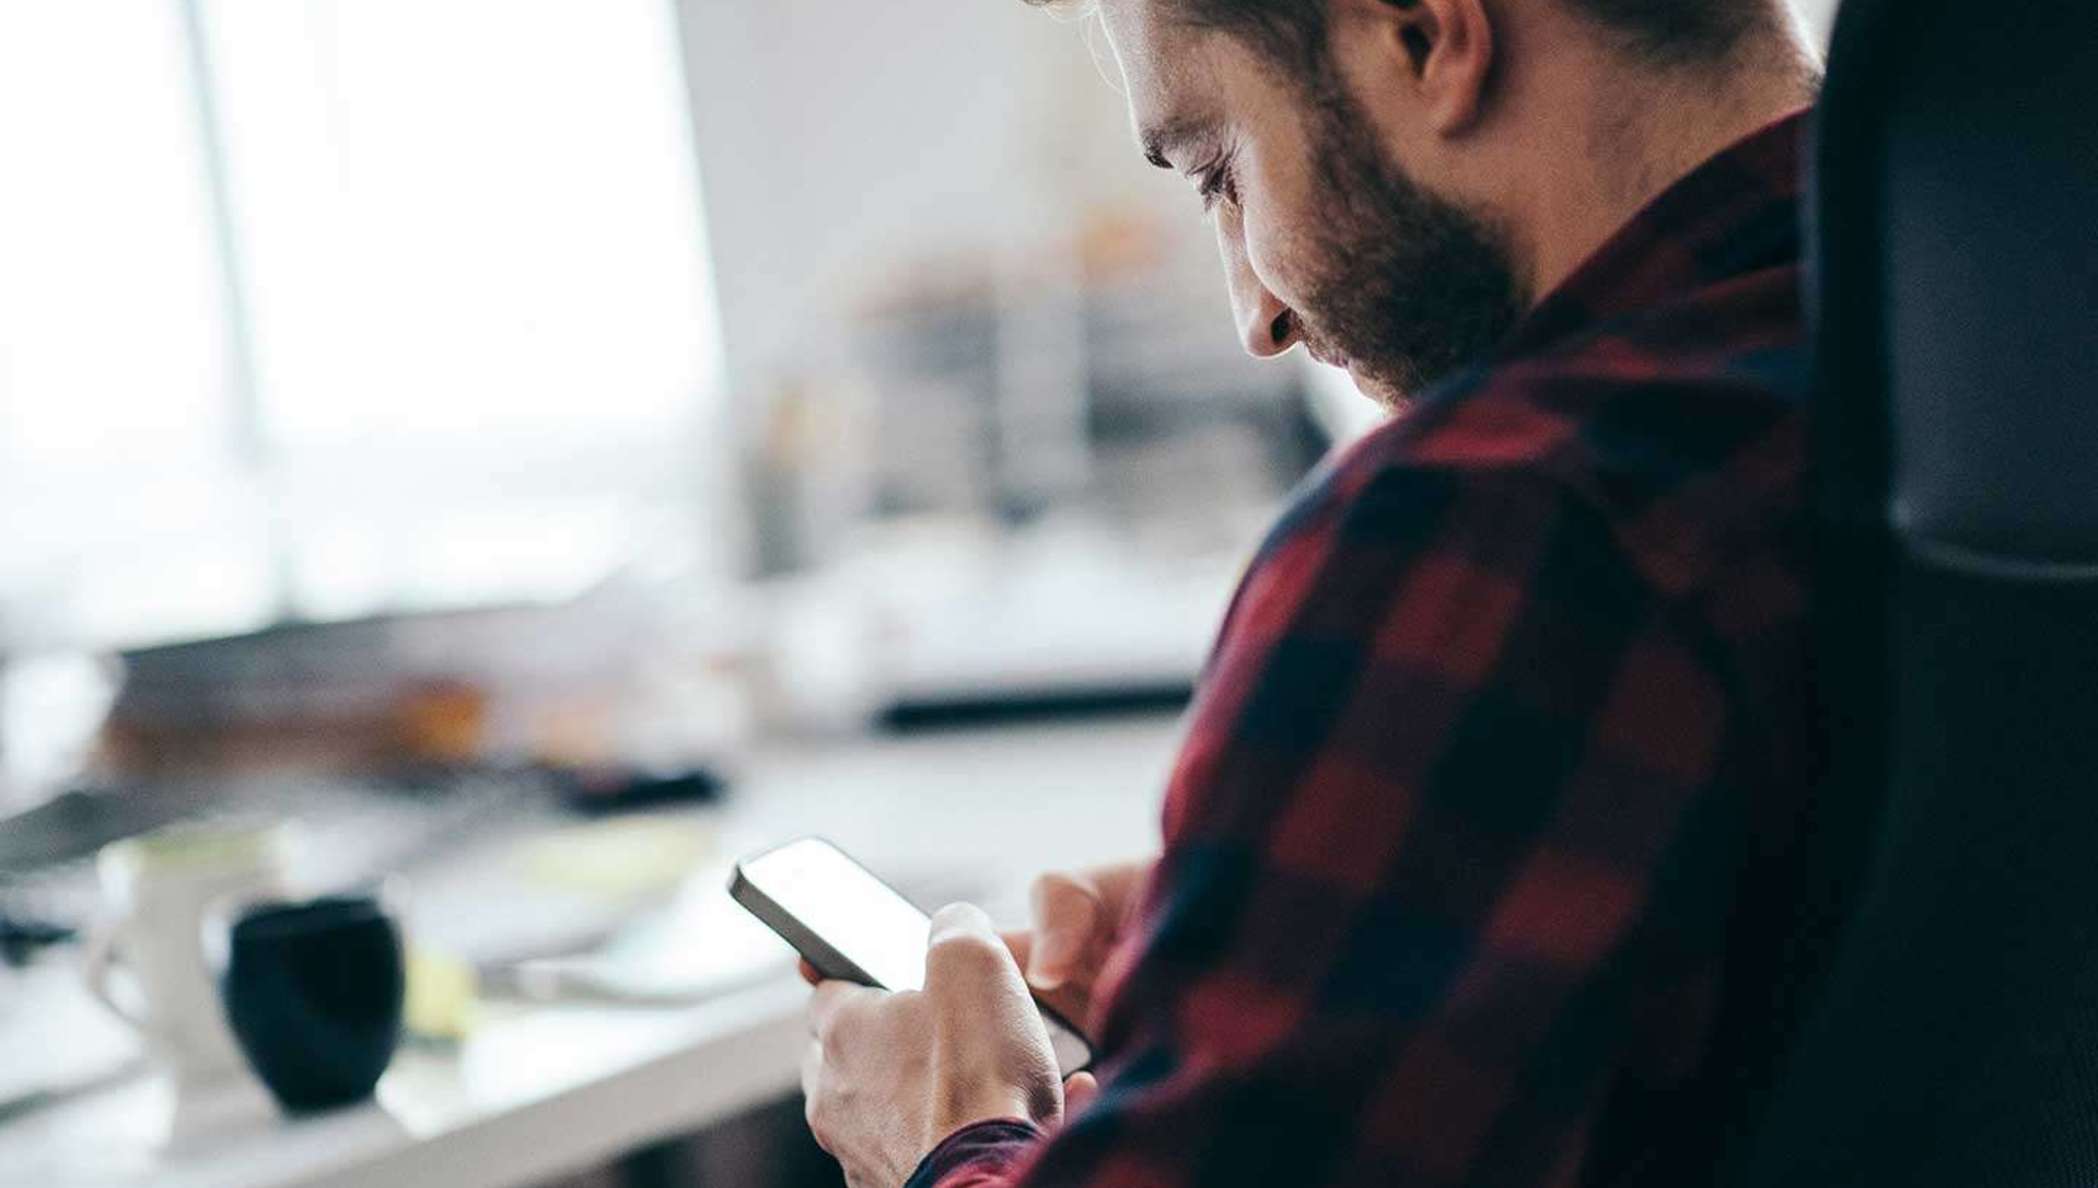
(1409,287)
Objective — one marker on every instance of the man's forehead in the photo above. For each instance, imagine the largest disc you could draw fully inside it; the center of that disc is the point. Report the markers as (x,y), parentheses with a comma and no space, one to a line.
(1166,69)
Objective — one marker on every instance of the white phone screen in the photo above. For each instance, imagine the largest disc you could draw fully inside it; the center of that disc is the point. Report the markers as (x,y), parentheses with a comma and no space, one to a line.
(857,914)
(866,921)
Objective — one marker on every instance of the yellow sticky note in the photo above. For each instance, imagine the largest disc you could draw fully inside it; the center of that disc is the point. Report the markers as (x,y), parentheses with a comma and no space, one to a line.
(621,859)
(443,996)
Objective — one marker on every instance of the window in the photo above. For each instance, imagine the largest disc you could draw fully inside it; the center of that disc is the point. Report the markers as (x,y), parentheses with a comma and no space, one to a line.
(334,306)
(115,428)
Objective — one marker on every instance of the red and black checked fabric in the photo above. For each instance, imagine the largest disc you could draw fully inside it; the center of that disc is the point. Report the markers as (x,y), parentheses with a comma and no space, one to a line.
(1500,721)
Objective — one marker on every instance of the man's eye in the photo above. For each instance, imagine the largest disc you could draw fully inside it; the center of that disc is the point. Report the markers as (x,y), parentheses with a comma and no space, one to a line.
(1216,184)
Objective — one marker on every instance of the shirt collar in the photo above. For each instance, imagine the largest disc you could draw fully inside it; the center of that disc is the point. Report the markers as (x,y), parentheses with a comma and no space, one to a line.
(1735,214)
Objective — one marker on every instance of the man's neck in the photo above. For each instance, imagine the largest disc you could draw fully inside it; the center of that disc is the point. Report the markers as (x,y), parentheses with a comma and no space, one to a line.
(1600,163)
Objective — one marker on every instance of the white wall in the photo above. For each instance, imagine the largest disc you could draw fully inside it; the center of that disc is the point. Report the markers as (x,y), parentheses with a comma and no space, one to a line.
(838,137)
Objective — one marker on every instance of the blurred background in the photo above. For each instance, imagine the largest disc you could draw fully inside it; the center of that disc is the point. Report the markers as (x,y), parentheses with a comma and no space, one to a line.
(417,414)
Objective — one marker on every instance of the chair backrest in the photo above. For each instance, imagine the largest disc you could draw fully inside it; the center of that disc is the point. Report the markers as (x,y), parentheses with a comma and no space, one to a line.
(1953,1032)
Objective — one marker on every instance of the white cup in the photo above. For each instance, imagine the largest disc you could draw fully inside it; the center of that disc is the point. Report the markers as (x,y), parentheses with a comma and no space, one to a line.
(159,893)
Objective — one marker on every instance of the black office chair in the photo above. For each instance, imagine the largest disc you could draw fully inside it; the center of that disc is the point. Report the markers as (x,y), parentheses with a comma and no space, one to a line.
(1947,969)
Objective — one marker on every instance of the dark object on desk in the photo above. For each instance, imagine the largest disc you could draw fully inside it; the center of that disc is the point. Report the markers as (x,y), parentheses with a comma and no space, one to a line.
(1947,964)
(962,712)
(76,823)
(315,992)
(595,791)
(20,938)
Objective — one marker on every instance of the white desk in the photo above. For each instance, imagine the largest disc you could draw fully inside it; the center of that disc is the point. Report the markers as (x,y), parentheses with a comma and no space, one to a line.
(546,1091)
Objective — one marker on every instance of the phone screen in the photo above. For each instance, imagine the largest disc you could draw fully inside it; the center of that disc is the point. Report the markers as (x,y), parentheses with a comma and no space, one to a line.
(866,921)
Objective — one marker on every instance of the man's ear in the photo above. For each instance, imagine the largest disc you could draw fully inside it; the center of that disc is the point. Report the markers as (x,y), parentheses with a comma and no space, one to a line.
(1441,50)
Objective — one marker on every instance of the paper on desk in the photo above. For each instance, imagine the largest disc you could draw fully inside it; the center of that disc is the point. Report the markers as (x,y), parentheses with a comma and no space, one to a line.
(702,944)
(545,889)
(630,857)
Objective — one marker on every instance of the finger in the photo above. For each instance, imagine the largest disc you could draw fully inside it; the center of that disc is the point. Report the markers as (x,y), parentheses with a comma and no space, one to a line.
(830,1000)
(1119,886)
(1067,913)
(995,1057)
(1073,1007)
(961,920)
(965,954)
(809,974)
(1079,1092)
(1021,942)
(1070,1001)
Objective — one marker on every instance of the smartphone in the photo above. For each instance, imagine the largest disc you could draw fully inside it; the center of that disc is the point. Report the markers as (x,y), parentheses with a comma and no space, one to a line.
(854,927)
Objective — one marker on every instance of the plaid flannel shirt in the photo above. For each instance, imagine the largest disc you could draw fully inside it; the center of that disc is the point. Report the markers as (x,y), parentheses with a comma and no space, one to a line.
(1504,712)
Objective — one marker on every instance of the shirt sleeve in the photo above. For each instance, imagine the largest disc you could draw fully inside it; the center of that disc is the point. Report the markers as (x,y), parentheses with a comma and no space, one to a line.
(979,1154)
(1447,854)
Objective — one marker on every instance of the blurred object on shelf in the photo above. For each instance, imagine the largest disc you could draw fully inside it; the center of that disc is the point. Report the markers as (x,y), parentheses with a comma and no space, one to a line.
(597,790)
(1048,375)
(1004,390)
(814,676)
(1065,614)
(1025,481)
(442,722)
(618,677)
(809,478)
(948,620)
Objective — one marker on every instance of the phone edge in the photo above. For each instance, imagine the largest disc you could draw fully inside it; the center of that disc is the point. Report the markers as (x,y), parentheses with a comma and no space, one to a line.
(832,964)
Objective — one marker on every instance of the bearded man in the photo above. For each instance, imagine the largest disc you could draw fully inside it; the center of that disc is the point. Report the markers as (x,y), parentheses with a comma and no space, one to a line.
(1472,862)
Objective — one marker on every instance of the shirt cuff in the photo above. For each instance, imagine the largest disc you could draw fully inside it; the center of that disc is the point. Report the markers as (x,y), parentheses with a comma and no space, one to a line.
(988,1147)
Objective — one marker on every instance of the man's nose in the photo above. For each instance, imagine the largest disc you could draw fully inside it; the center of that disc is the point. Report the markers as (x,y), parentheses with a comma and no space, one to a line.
(1266,327)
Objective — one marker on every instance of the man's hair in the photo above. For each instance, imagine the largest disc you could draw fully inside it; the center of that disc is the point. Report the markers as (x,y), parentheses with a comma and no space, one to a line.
(1678,31)
(1661,32)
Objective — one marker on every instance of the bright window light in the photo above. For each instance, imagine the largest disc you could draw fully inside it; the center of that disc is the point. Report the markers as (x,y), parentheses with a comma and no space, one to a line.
(111,339)
(465,219)
(127,516)
(475,306)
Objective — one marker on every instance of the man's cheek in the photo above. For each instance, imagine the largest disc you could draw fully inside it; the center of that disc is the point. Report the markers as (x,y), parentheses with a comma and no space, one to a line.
(1282,257)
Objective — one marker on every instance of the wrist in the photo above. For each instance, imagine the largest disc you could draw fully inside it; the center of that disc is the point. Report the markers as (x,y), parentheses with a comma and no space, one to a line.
(1006,1106)
(992,1145)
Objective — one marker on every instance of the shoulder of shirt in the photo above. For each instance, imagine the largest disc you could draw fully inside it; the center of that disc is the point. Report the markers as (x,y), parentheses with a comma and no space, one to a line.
(1687,450)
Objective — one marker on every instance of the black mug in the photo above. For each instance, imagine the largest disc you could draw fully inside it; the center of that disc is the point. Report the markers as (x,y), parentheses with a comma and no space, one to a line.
(314,992)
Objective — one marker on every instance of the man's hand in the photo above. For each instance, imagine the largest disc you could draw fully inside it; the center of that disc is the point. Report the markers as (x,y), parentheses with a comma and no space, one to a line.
(888,1076)
(1077,920)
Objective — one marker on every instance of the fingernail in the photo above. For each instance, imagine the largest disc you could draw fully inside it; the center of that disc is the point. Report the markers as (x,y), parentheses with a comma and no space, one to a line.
(960,917)
(1046,971)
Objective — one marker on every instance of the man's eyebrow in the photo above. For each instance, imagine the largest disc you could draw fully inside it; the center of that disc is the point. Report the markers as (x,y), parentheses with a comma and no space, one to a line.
(1159,140)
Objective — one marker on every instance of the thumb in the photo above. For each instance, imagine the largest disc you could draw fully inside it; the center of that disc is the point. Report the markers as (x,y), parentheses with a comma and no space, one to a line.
(966,956)
(1067,911)
(1079,1092)
(962,921)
